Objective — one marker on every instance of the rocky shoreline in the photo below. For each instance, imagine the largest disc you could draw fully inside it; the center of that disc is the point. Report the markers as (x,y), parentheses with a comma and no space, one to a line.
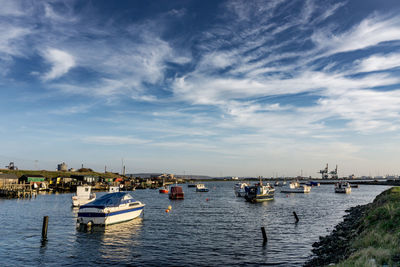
(336,247)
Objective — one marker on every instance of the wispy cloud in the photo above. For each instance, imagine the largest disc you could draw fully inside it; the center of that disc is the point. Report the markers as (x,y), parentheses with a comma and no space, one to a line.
(378,62)
(113,140)
(61,62)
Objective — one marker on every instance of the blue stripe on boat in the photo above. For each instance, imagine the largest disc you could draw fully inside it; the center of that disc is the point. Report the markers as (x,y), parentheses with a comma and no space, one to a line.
(96,214)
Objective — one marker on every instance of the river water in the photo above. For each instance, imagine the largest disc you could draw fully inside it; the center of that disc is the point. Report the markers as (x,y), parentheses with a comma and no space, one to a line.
(204,229)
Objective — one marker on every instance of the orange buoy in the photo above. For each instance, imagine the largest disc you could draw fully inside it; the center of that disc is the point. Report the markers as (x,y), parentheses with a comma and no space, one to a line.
(167,210)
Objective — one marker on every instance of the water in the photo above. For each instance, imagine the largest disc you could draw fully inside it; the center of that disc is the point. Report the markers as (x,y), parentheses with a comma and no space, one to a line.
(225,230)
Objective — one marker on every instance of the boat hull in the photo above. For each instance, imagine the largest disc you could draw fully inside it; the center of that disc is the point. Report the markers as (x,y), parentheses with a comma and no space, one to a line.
(259,198)
(109,215)
(343,190)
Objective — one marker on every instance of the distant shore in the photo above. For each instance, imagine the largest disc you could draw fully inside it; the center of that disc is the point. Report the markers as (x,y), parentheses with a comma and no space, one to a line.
(368,236)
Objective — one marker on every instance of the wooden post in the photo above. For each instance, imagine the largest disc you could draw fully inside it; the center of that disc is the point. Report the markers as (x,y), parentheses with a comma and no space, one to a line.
(295,216)
(264,234)
(44,228)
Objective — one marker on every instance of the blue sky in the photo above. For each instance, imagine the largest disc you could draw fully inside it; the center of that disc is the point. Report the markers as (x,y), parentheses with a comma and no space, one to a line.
(239,88)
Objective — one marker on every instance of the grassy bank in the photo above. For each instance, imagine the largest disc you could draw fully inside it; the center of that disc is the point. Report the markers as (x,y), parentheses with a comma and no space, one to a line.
(378,240)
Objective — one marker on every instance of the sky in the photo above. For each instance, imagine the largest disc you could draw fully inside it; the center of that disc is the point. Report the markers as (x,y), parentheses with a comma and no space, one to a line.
(218,88)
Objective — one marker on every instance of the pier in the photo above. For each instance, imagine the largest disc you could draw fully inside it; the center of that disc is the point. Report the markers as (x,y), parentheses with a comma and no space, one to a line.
(17,191)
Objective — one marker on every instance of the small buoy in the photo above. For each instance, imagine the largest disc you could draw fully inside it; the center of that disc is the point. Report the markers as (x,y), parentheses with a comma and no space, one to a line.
(206,199)
(167,210)
(287,195)
(169,207)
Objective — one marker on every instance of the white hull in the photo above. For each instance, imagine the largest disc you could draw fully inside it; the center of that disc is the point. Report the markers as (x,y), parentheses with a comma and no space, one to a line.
(240,190)
(109,215)
(301,189)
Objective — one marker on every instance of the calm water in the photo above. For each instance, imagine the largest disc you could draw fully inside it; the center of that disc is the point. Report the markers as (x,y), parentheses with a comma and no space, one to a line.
(225,230)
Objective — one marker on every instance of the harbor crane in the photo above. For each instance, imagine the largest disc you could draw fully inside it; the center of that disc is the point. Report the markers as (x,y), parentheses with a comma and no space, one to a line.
(324,172)
(334,174)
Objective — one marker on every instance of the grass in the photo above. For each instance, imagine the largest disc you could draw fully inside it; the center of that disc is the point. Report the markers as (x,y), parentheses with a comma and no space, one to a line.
(378,243)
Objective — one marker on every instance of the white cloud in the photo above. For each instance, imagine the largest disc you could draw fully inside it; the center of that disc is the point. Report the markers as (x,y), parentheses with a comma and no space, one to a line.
(378,63)
(61,62)
(369,32)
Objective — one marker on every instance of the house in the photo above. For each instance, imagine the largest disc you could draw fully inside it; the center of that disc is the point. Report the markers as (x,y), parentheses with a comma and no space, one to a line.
(29,178)
(8,178)
(86,178)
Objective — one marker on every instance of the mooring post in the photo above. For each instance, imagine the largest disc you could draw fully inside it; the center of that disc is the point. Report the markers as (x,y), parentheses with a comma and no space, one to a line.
(264,234)
(44,228)
(295,216)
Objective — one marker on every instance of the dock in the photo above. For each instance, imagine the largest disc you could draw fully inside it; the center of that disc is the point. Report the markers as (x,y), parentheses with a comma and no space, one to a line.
(17,191)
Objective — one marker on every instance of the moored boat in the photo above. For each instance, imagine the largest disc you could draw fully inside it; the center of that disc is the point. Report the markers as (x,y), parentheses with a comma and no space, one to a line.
(240,190)
(259,192)
(176,192)
(295,187)
(342,187)
(163,190)
(83,196)
(201,188)
(109,209)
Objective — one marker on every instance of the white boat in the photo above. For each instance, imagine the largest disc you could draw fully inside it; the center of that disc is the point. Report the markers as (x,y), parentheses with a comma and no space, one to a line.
(259,192)
(113,189)
(201,188)
(83,196)
(295,187)
(109,209)
(342,187)
(240,189)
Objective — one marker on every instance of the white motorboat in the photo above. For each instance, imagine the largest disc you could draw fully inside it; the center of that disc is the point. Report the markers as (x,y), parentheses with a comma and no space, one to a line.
(342,187)
(201,188)
(295,187)
(83,196)
(109,209)
(240,189)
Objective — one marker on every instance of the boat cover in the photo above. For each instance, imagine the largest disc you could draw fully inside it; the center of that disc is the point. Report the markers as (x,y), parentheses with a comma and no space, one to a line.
(108,200)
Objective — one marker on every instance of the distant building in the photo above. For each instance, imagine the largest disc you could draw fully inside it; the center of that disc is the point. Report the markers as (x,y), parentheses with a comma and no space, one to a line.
(62,167)
(72,170)
(8,178)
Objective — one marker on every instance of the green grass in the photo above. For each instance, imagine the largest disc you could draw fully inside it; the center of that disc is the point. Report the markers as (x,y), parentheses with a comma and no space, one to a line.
(379,240)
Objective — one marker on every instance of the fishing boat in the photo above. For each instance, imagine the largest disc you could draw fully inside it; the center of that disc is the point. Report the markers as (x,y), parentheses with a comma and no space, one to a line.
(296,187)
(176,192)
(342,187)
(239,189)
(83,196)
(259,192)
(201,188)
(163,190)
(109,209)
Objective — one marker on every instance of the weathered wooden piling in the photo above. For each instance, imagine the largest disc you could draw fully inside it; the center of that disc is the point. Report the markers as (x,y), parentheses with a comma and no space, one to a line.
(44,228)
(265,239)
(295,216)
